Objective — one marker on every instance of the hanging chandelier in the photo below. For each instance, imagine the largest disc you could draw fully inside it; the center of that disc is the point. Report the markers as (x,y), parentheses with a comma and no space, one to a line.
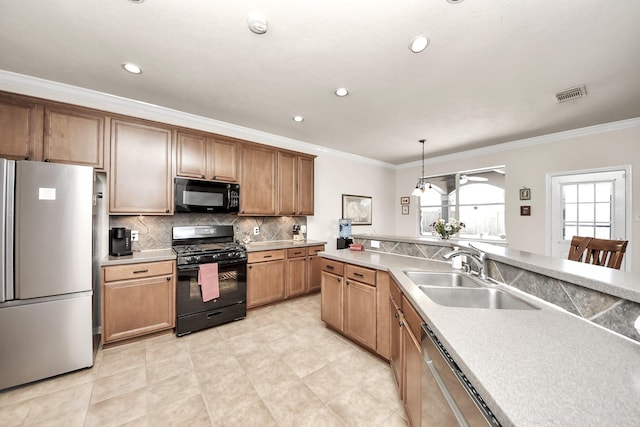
(421,182)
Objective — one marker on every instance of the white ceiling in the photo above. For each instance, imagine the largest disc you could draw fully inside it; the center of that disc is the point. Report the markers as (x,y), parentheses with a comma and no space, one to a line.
(488,76)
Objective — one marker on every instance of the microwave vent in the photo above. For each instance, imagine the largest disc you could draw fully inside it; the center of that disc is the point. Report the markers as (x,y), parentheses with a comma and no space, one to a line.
(573,93)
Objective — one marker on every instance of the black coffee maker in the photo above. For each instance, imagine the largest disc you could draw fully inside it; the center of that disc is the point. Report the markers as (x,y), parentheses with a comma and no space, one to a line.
(120,241)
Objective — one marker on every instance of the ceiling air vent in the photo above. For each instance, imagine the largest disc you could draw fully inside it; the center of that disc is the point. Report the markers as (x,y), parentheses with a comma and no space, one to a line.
(573,93)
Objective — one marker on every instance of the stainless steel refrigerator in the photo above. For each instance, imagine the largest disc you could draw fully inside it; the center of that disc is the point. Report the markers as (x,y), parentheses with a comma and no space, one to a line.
(46,324)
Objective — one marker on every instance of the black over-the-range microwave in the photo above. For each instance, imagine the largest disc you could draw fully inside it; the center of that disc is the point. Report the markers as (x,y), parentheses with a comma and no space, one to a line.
(192,195)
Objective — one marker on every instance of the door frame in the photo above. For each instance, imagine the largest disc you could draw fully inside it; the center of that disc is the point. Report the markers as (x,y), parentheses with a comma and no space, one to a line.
(627,211)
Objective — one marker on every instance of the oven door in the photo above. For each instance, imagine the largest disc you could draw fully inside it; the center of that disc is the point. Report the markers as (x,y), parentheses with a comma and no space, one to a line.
(232,279)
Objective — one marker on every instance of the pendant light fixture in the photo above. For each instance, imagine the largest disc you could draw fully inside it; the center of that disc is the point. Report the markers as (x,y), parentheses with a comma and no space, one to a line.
(420,185)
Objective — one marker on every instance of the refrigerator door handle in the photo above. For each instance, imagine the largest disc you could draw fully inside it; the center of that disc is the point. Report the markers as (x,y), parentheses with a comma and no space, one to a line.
(7,190)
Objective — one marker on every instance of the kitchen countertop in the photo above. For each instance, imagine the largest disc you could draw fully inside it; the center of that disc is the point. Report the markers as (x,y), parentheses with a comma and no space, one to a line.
(281,244)
(141,256)
(614,282)
(532,367)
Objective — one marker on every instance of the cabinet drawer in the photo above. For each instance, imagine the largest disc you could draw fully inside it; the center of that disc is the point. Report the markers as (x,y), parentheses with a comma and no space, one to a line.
(334,267)
(136,271)
(361,274)
(313,250)
(296,252)
(265,256)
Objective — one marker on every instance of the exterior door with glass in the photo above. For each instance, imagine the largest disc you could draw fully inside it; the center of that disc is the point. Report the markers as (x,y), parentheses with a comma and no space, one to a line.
(591,204)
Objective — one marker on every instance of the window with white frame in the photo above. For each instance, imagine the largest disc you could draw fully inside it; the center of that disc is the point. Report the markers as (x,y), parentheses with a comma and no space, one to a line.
(475,198)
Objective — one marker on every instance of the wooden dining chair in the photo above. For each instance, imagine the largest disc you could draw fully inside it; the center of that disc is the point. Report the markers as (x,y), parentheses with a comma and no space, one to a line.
(604,252)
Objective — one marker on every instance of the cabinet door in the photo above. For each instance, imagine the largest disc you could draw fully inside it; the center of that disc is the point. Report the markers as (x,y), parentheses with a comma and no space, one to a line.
(137,307)
(331,300)
(258,188)
(305,185)
(296,276)
(265,283)
(224,160)
(360,312)
(314,278)
(140,178)
(395,350)
(287,201)
(21,129)
(75,137)
(412,377)
(191,159)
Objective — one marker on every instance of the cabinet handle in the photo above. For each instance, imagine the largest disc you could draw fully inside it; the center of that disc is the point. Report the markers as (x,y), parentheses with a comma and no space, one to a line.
(203,177)
(267,256)
(401,324)
(141,271)
(329,267)
(47,160)
(297,253)
(358,274)
(396,315)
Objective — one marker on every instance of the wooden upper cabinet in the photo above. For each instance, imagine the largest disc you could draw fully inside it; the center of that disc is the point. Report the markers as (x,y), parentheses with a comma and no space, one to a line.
(258,184)
(191,159)
(224,165)
(305,182)
(21,129)
(199,156)
(141,168)
(73,136)
(288,188)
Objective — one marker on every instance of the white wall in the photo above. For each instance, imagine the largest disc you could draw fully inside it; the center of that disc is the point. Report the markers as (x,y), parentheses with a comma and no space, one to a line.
(527,165)
(336,175)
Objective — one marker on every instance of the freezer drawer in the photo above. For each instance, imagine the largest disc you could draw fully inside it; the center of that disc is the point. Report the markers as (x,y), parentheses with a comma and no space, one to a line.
(44,339)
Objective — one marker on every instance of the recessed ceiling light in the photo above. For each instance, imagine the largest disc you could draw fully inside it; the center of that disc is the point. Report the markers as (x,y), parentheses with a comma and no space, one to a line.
(342,91)
(298,119)
(418,44)
(132,68)
(455,1)
(136,1)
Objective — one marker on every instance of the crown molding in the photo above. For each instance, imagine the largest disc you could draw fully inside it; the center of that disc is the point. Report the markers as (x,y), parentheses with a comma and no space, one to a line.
(528,142)
(61,92)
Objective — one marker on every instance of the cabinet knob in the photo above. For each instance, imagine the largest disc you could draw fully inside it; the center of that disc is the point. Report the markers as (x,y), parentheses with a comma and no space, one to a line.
(166,210)
(47,160)
(168,278)
(396,315)
(401,324)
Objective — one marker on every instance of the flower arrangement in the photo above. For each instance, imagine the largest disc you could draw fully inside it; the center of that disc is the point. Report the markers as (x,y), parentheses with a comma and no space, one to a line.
(447,229)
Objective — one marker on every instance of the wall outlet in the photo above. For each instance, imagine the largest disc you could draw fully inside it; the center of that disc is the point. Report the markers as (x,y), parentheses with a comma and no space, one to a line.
(256,231)
(375,244)
(134,235)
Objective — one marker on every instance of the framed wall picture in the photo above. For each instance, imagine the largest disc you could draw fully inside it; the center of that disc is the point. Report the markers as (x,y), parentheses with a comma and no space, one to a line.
(405,200)
(357,209)
(525,210)
(405,209)
(525,194)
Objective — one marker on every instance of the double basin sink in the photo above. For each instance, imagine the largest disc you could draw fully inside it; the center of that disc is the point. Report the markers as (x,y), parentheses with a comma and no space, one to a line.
(460,290)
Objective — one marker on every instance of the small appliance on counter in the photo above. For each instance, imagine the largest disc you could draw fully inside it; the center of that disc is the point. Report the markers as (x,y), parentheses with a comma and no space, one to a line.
(345,234)
(120,241)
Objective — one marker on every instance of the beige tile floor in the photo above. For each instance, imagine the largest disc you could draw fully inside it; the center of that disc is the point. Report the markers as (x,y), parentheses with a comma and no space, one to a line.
(278,367)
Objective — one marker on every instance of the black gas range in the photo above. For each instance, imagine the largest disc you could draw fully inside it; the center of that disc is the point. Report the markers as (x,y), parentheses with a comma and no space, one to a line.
(208,244)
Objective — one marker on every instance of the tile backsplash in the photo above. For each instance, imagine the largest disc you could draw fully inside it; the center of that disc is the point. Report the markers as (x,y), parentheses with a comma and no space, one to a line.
(155,231)
(608,311)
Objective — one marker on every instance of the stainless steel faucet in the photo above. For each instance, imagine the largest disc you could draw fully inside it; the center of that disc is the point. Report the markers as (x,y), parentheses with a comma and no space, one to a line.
(478,257)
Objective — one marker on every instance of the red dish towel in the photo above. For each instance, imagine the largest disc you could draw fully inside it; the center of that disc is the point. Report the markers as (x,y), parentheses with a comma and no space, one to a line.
(208,280)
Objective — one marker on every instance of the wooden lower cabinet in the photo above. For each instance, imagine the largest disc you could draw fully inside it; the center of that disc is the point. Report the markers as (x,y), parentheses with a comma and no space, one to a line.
(296,272)
(360,312)
(396,322)
(412,374)
(314,279)
(331,311)
(265,279)
(351,303)
(137,299)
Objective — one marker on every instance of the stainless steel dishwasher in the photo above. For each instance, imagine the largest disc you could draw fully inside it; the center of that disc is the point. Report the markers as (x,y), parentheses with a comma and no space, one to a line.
(448,398)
